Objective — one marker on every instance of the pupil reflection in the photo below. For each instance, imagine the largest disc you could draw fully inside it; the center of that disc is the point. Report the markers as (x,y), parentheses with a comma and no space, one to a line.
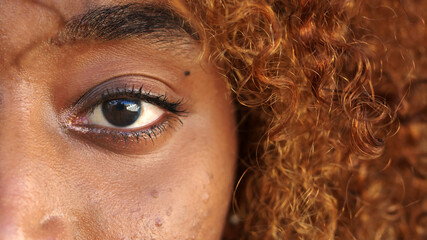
(121,112)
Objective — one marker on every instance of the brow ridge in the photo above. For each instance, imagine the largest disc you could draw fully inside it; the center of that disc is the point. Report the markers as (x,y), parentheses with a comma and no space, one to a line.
(136,20)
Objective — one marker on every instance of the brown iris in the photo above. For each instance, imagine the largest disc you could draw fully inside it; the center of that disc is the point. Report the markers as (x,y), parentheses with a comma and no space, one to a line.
(121,112)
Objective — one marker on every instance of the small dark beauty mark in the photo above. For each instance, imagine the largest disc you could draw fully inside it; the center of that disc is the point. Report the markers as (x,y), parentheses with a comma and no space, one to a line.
(187,73)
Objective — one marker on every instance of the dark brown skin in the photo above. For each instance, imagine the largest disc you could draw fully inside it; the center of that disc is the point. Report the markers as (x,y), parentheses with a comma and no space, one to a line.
(57,182)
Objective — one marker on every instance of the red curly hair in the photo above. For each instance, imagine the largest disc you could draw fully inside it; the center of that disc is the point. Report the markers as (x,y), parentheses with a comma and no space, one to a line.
(332,114)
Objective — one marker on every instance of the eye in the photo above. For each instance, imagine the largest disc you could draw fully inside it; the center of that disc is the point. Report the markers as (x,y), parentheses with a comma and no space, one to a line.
(125,113)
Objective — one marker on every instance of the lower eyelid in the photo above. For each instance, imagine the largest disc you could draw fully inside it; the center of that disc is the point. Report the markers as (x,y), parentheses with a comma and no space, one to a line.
(116,139)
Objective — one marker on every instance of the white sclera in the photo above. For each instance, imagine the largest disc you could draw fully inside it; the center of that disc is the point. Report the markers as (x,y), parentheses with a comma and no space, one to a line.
(149,115)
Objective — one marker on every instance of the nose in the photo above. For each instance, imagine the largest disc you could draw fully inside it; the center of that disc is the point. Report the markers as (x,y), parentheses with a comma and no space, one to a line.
(13,205)
(23,216)
(29,205)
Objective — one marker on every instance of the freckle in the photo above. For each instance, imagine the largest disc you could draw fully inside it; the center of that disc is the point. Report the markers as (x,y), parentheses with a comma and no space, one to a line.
(158,222)
(187,73)
(155,194)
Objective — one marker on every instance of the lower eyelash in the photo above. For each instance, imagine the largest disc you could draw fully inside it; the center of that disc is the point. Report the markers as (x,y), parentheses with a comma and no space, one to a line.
(151,134)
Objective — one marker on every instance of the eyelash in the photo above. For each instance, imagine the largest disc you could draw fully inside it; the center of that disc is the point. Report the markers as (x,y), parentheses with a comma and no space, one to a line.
(158,100)
(171,121)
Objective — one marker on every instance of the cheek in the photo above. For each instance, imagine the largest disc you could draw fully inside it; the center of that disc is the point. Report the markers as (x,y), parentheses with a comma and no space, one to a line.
(181,190)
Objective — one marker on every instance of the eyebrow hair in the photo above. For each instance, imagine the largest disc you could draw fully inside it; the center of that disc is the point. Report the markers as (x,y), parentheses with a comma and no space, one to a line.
(136,20)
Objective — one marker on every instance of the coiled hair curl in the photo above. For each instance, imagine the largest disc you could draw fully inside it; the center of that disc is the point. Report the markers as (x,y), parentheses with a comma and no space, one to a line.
(332,112)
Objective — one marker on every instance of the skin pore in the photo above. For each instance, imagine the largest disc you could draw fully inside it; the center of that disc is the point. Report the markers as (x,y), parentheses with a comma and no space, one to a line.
(64,173)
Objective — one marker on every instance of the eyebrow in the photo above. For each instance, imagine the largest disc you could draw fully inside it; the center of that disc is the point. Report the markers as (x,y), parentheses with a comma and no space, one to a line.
(148,21)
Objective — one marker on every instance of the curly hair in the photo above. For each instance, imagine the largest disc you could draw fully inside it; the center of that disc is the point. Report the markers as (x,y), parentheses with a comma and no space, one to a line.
(332,110)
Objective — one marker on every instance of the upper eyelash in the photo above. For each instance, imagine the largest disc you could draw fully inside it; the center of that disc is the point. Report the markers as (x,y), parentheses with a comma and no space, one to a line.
(162,101)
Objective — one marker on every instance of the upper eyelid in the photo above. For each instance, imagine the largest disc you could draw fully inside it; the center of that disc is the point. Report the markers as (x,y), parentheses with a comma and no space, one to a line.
(121,86)
(147,96)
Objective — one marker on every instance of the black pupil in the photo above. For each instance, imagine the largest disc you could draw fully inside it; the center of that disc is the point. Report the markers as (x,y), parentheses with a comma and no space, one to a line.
(121,112)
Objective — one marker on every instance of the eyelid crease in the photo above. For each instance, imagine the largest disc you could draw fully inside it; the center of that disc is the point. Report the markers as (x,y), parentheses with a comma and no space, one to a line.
(137,93)
(131,86)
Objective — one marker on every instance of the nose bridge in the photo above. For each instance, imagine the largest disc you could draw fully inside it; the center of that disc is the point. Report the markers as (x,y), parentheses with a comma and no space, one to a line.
(15,108)
(16,180)
(23,205)
(27,182)
(13,202)
(15,160)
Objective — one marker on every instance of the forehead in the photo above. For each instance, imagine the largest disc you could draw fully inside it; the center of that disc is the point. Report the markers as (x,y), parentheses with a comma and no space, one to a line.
(24,22)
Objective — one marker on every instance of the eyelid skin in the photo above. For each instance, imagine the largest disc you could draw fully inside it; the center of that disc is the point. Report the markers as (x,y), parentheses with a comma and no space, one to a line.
(130,86)
(127,86)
